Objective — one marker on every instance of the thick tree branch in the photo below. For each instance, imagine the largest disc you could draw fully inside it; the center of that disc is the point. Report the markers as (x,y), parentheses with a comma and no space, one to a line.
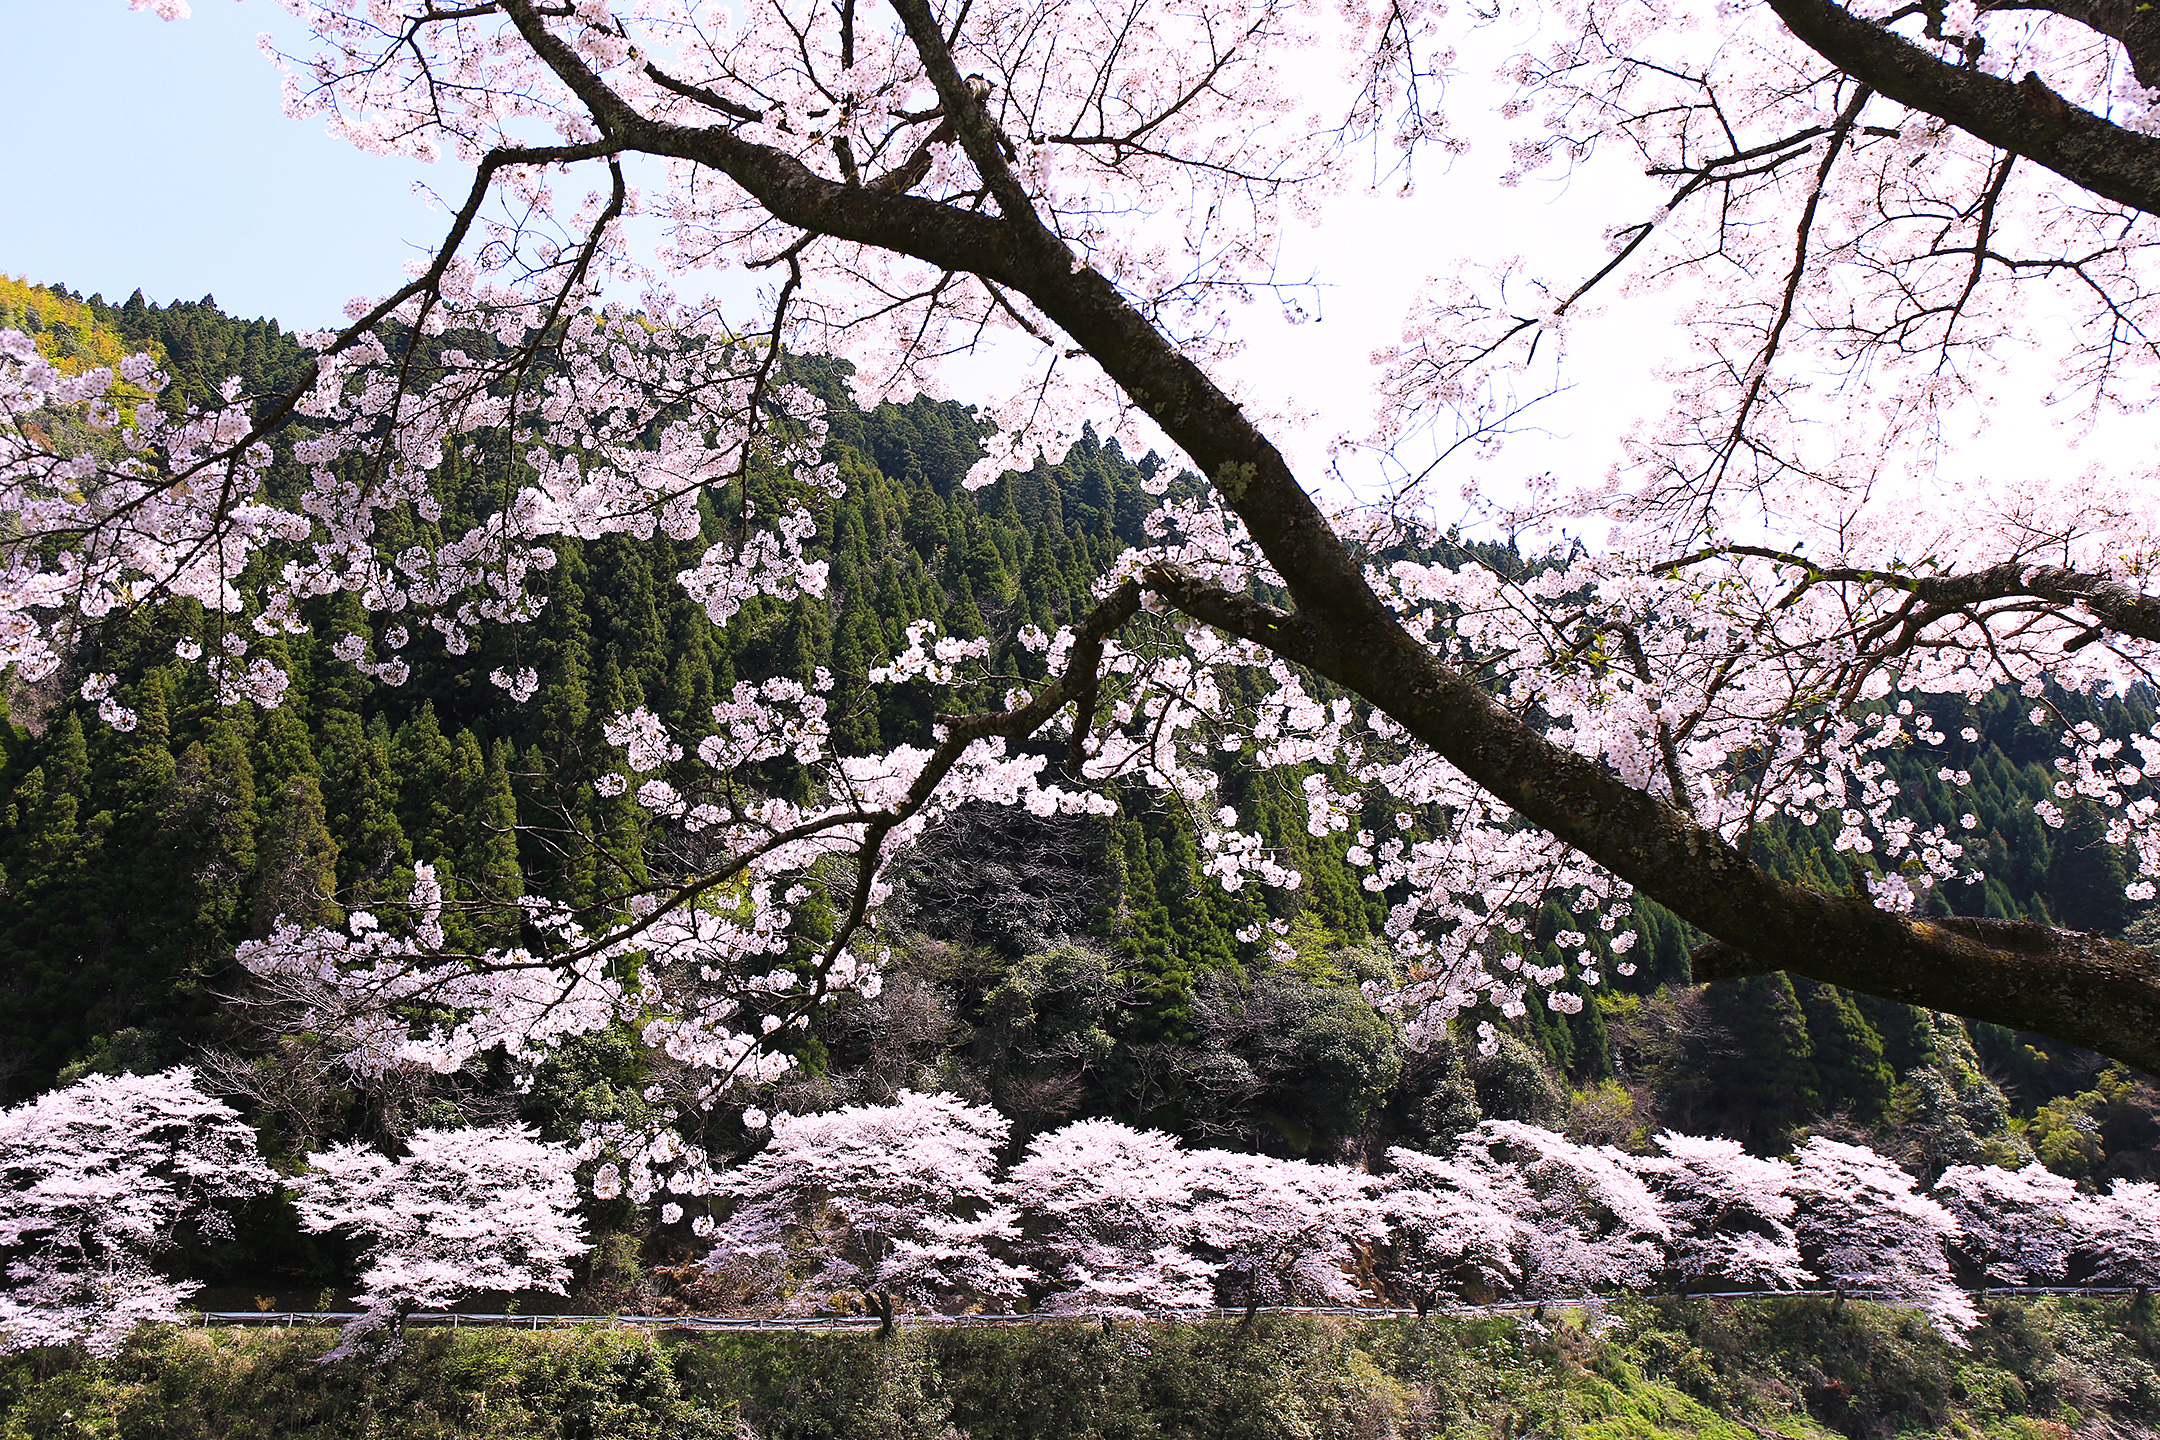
(2099,993)
(2132,23)
(2025,117)
(2088,988)
(2115,605)
(1342,630)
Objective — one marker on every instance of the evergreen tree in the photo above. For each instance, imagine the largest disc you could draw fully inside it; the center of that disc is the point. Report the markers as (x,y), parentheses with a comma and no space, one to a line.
(487,861)
(213,807)
(360,791)
(1851,1074)
(2085,874)
(428,788)
(1769,1081)
(296,873)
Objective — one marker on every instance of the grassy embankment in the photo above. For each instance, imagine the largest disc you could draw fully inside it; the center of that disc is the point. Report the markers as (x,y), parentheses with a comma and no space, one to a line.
(1695,1369)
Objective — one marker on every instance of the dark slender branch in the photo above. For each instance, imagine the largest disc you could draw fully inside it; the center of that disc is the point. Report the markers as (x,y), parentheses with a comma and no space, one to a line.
(2024,117)
(1759,375)
(710,99)
(2117,606)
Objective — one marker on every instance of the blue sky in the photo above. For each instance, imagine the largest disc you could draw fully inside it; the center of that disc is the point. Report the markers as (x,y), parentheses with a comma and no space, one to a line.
(156,154)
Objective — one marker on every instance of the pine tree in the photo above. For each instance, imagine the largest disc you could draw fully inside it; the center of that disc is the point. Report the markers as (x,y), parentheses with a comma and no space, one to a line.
(487,860)
(2085,874)
(428,790)
(360,791)
(1770,1079)
(214,806)
(296,873)
(1850,1071)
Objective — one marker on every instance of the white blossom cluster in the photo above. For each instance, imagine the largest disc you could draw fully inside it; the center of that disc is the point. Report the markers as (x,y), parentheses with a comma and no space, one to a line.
(1099,1218)
(96,1181)
(908,1202)
(468,1210)
(630,427)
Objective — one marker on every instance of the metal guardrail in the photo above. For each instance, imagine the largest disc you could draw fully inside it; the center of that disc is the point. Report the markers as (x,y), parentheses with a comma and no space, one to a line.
(457,1319)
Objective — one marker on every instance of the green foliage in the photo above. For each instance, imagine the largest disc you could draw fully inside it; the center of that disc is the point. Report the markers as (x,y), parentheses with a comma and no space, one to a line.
(1948,1111)
(1865,1370)
(296,876)
(2079,1135)
(2086,875)
(474,1385)
(1851,1075)
(1703,1370)
(595,1078)
(1512,1085)
(1771,1070)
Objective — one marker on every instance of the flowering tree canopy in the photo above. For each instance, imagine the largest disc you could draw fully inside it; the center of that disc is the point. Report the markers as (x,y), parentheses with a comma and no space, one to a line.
(1098,1218)
(899,1201)
(1731,1213)
(489,1208)
(2018,1227)
(1280,1231)
(2122,1229)
(1450,1228)
(95,1180)
(1588,1221)
(1793,567)
(1862,1223)
(1106,1213)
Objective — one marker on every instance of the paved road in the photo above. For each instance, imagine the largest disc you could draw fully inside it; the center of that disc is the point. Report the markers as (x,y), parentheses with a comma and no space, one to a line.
(869,1322)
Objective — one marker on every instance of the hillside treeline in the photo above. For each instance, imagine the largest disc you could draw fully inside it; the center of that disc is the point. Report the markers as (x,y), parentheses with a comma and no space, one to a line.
(1057,969)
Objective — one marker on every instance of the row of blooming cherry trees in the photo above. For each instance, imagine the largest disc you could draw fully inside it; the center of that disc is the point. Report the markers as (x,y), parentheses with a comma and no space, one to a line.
(909,1206)
(100,1179)
(906,1204)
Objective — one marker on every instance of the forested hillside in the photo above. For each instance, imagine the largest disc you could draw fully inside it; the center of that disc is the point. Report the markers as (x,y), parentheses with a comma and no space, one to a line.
(1060,968)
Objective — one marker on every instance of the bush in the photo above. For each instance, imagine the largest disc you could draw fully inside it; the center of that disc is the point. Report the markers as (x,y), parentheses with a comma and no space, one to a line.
(1696,1368)
(178,1384)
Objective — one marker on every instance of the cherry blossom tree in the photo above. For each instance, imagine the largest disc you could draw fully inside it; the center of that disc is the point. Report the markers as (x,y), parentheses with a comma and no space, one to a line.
(97,1180)
(1106,1214)
(1797,571)
(2015,1227)
(1586,1221)
(2122,1234)
(1731,1214)
(1450,1229)
(1280,1232)
(898,1201)
(1862,1224)
(485,1208)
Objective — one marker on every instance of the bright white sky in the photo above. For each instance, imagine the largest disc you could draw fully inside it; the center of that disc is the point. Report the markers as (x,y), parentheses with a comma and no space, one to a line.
(156,155)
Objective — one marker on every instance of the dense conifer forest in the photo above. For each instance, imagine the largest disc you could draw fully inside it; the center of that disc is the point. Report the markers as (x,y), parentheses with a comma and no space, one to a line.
(1066,967)
(1058,969)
